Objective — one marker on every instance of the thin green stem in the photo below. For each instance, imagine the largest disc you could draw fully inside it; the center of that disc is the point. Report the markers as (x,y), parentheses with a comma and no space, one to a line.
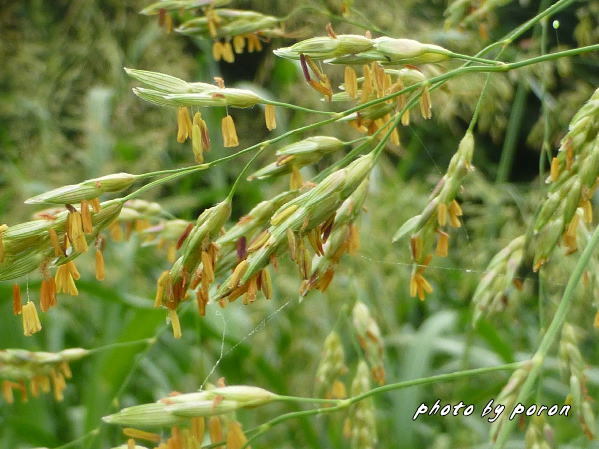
(477,108)
(552,333)
(77,442)
(545,146)
(123,344)
(307,400)
(436,379)
(519,31)
(511,135)
(369,26)
(244,171)
(345,403)
(359,139)
(177,174)
(165,172)
(470,58)
(298,108)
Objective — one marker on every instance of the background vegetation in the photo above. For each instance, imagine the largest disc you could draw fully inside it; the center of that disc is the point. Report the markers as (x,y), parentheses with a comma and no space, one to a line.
(67,114)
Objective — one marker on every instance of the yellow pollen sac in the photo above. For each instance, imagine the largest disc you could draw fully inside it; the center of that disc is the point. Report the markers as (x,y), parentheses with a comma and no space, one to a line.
(291,242)
(296,180)
(75,231)
(196,143)
(31,321)
(100,273)
(587,208)
(215,429)
(379,79)
(395,137)
(96,206)
(353,241)
(73,270)
(239,43)
(455,211)
(236,439)
(199,137)
(64,278)
(266,283)
(55,243)
(86,217)
(174,318)
(239,271)
(442,244)
(228,54)
(47,294)
(198,426)
(162,284)
(259,241)
(283,215)
(16,299)
(229,132)
(350,82)
(7,393)
(323,87)
(207,267)
(413,285)
(217,50)
(405,118)
(141,434)
(270,117)
(416,247)
(252,290)
(425,104)
(442,214)
(184,124)
(254,43)
(555,169)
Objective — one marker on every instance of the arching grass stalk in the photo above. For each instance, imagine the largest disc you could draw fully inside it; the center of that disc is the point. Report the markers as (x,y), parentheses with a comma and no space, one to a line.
(369,27)
(298,108)
(342,404)
(123,344)
(245,170)
(552,333)
(519,31)
(77,442)
(545,146)
(435,82)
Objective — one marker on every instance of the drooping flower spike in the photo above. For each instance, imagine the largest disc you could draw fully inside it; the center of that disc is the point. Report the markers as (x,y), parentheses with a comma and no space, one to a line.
(42,371)
(166,90)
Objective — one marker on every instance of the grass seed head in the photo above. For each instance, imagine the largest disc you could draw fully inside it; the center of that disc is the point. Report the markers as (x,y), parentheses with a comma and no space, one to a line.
(324,47)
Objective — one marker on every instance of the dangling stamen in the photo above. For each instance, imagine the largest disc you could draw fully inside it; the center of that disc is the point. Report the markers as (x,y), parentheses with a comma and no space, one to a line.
(47,293)
(350,82)
(16,299)
(239,43)
(229,132)
(174,318)
(31,321)
(270,117)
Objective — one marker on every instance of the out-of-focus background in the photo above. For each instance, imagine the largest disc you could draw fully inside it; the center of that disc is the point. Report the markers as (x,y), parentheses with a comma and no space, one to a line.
(67,114)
